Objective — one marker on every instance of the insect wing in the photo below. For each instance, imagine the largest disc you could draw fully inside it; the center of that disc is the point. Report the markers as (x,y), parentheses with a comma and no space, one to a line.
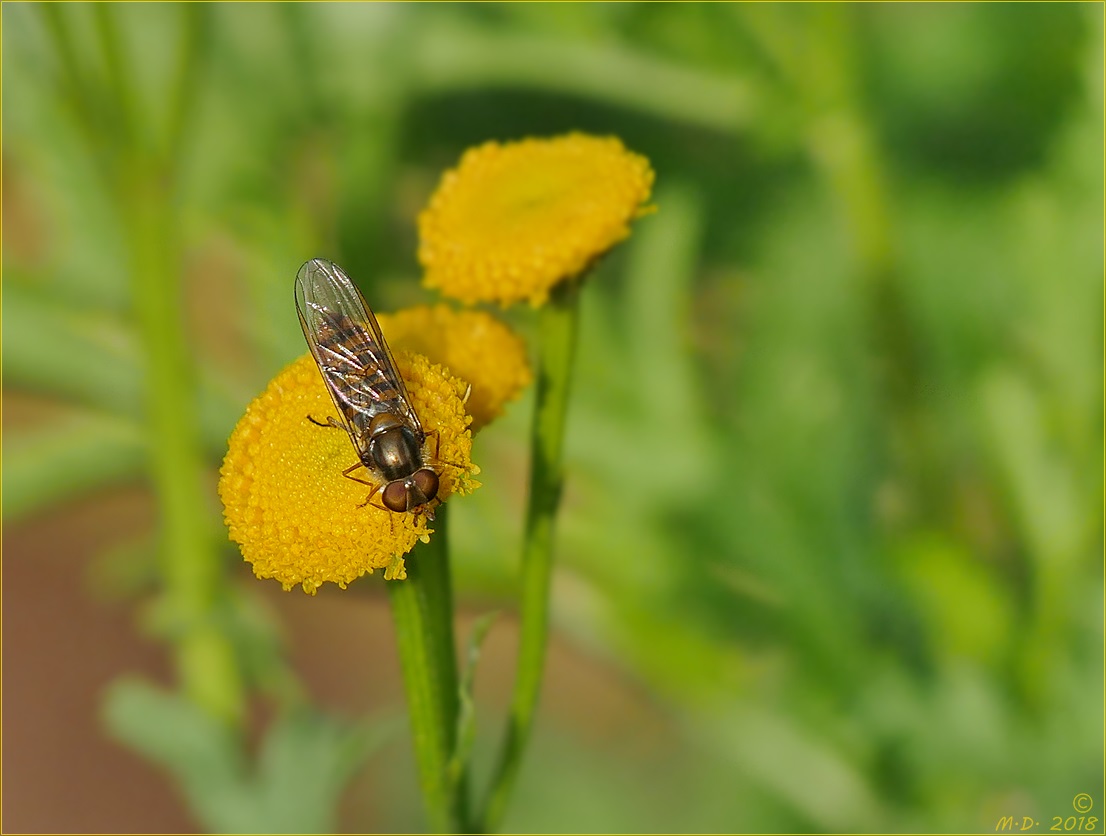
(349,349)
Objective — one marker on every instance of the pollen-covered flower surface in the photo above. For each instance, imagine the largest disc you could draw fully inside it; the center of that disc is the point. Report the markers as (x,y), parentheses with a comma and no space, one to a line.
(514,219)
(474,345)
(286,502)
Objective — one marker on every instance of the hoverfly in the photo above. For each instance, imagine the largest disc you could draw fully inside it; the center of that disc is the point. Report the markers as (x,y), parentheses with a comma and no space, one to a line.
(366,388)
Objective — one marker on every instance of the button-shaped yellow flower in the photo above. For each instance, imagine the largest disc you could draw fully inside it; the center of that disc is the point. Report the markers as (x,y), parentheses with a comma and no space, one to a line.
(514,219)
(286,502)
(474,345)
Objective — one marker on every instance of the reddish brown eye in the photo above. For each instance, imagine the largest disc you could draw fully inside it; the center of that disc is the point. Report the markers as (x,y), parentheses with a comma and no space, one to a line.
(395,496)
(426,480)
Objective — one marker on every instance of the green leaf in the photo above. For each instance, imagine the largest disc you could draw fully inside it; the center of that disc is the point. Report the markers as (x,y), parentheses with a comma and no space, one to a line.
(303,765)
(89,359)
(48,348)
(124,570)
(254,629)
(968,614)
(200,752)
(466,714)
(68,459)
(1036,474)
(453,56)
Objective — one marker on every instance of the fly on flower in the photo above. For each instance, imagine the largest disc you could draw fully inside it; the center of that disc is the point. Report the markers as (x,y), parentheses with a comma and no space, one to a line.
(372,401)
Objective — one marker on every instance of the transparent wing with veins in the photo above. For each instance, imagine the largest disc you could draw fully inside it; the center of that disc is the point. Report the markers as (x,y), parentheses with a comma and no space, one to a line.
(350,351)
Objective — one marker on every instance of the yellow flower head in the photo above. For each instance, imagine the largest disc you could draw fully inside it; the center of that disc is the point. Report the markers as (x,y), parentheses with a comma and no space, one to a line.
(286,502)
(513,220)
(474,345)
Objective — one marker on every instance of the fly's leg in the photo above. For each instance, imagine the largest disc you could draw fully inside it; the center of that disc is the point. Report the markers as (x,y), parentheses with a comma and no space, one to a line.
(349,470)
(348,473)
(330,421)
(437,447)
(369,501)
(428,508)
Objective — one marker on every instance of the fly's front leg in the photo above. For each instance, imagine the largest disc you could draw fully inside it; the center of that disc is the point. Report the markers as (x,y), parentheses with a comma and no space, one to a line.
(349,470)
(348,473)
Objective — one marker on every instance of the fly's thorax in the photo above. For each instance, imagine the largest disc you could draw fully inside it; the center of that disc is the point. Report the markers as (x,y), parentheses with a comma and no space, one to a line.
(394,449)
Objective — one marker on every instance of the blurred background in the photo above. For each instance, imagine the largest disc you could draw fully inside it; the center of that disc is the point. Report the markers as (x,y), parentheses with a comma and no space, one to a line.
(830,553)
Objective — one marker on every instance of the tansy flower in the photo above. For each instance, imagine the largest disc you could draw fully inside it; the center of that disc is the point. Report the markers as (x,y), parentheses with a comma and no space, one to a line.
(473,345)
(513,220)
(286,502)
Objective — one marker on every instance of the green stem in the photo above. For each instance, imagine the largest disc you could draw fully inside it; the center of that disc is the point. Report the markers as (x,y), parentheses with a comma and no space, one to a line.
(81,95)
(439,584)
(437,580)
(422,610)
(185,83)
(558,340)
(204,658)
(123,112)
(145,188)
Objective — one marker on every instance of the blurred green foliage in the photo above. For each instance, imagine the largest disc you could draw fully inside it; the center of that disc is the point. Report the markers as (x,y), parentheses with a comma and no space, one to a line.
(835,451)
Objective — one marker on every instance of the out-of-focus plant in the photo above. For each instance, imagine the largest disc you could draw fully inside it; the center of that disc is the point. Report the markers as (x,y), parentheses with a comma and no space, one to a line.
(835,439)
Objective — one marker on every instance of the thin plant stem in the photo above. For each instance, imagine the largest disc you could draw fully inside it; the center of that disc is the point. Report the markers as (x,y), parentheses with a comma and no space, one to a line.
(434,572)
(422,611)
(124,118)
(81,96)
(145,189)
(437,577)
(557,327)
(184,85)
(192,568)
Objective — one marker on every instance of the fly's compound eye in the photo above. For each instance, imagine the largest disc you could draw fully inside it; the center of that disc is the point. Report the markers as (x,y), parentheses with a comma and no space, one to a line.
(426,480)
(394,496)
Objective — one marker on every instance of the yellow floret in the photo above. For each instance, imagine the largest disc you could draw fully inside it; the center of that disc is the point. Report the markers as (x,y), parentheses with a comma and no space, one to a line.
(286,502)
(474,345)
(513,220)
